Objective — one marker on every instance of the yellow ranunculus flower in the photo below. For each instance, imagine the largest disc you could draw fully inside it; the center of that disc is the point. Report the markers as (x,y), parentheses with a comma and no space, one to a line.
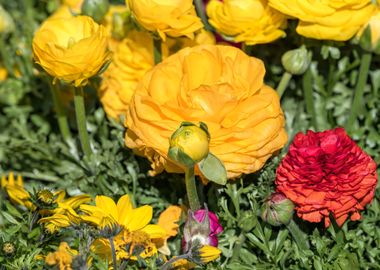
(328,19)
(218,85)
(72,49)
(174,18)
(249,21)
(132,58)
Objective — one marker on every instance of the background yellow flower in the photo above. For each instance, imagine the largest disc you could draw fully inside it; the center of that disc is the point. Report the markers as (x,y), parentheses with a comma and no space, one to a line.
(174,18)
(219,85)
(249,21)
(330,19)
(71,49)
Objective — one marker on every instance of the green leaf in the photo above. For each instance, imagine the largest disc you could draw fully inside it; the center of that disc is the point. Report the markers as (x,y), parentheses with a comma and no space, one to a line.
(213,169)
(10,218)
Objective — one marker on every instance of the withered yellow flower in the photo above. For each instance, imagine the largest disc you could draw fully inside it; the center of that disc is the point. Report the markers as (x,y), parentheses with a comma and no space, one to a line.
(71,49)
(62,258)
(218,85)
(336,20)
(166,17)
(249,21)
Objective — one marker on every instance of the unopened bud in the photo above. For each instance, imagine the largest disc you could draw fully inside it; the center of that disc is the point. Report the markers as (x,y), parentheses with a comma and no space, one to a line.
(189,144)
(45,197)
(248,221)
(96,9)
(297,61)
(277,210)
(7,24)
(369,34)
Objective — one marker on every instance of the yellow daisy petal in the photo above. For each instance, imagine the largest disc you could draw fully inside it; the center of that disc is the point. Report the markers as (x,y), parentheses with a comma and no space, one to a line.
(124,207)
(108,205)
(139,218)
(154,231)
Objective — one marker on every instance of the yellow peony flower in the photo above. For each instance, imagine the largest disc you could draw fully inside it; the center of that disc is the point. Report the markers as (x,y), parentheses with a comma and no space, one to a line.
(174,18)
(16,191)
(329,19)
(132,58)
(72,49)
(62,258)
(137,232)
(249,21)
(218,85)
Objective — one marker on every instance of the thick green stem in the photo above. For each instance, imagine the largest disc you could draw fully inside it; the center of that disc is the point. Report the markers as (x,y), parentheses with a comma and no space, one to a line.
(201,14)
(157,50)
(299,236)
(113,251)
(285,79)
(61,114)
(191,189)
(80,114)
(307,83)
(359,90)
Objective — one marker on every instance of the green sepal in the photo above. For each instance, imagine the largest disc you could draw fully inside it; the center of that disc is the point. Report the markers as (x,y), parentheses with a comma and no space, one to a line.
(365,40)
(213,169)
(204,127)
(176,154)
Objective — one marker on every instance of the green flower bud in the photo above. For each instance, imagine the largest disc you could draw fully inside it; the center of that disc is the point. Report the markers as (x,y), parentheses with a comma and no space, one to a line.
(96,9)
(121,24)
(277,210)
(7,24)
(189,144)
(248,221)
(297,61)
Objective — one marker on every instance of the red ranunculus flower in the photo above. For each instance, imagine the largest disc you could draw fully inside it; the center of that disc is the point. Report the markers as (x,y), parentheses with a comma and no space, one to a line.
(327,172)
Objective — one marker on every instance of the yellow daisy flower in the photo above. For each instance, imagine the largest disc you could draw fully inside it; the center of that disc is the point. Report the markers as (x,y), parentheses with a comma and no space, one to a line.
(16,191)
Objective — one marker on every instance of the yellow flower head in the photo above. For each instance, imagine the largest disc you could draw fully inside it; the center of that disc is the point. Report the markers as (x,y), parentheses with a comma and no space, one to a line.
(3,73)
(209,253)
(72,49)
(328,19)
(137,232)
(218,85)
(15,190)
(132,58)
(174,18)
(249,21)
(62,258)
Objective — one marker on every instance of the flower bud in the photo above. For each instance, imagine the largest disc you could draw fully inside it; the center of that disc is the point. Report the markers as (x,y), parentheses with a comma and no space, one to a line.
(45,197)
(277,210)
(189,144)
(369,34)
(248,221)
(202,227)
(96,9)
(297,61)
(8,249)
(7,24)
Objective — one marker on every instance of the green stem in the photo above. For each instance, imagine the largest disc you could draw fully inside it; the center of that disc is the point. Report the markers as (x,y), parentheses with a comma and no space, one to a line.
(307,83)
(299,236)
(237,247)
(285,79)
(61,115)
(80,114)
(359,90)
(157,50)
(202,14)
(191,189)
(113,251)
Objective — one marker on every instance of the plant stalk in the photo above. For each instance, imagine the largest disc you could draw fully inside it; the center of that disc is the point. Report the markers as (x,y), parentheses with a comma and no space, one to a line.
(191,189)
(113,251)
(202,14)
(307,84)
(285,79)
(61,114)
(81,121)
(359,89)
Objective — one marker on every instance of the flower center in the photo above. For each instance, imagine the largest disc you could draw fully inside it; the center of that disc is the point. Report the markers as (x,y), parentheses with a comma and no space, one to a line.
(136,242)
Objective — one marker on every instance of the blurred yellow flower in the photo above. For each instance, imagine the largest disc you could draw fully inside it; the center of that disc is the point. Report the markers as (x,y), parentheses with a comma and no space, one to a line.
(15,190)
(209,253)
(72,49)
(6,22)
(174,18)
(218,85)
(137,232)
(132,58)
(74,5)
(3,73)
(62,258)
(249,21)
(329,19)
